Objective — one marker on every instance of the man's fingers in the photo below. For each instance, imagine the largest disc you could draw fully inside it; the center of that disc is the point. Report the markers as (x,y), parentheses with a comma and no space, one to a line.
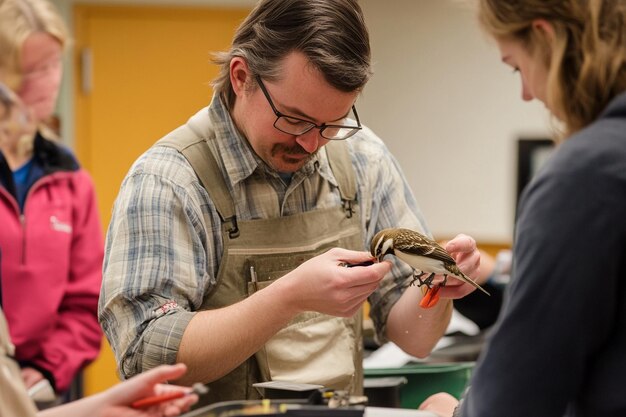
(348,257)
(367,274)
(461,243)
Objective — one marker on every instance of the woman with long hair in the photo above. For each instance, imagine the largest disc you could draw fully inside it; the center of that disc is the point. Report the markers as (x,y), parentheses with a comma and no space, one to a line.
(559,346)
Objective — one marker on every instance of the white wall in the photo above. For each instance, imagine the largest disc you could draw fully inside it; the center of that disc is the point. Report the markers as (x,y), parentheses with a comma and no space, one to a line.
(444,104)
(451,113)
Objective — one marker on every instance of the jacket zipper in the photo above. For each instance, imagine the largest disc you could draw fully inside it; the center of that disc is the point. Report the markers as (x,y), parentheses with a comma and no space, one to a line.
(23,224)
(22,216)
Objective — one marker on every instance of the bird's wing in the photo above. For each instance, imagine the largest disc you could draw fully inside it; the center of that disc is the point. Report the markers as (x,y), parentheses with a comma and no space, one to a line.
(422,245)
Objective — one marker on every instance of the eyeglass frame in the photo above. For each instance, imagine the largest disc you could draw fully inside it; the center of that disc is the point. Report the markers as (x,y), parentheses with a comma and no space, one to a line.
(312,126)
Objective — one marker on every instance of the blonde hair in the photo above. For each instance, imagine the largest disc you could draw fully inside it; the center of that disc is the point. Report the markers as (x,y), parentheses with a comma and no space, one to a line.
(7,101)
(586,60)
(11,125)
(18,20)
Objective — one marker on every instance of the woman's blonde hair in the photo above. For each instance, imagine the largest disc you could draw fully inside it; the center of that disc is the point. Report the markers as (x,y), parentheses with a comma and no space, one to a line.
(18,20)
(14,120)
(585,59)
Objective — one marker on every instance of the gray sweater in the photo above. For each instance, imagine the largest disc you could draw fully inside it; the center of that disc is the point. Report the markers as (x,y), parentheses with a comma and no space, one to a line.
(559,346)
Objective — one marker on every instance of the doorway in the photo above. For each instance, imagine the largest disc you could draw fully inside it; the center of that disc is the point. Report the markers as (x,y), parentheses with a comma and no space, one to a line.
(141,71)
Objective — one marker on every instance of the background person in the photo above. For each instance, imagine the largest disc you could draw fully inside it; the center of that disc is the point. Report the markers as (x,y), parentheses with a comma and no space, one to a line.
(246,270)
(117,401)
(51,236)
(558,347)
(114,402)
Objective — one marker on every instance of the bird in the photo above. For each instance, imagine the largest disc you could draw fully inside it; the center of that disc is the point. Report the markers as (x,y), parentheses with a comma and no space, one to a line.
(423,254)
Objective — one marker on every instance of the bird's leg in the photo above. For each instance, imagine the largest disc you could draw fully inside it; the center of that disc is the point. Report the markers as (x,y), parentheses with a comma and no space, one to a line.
(429,281)
(417,276)
(445,280)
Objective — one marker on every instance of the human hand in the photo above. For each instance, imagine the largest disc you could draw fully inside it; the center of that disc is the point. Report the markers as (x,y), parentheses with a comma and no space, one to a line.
(464,251)
(442,404)
(116,402)
(31,376)
(324,283)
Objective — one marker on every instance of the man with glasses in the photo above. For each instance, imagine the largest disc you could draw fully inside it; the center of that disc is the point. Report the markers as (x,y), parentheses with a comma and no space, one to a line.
(297,127)
(230,239)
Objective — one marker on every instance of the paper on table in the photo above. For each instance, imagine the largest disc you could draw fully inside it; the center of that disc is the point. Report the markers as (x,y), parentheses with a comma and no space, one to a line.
(390,355)
(460,323)
(396,412)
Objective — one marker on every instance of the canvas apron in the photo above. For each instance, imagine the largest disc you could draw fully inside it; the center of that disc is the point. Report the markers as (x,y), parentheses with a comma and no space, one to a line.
(314,348)
(14,400)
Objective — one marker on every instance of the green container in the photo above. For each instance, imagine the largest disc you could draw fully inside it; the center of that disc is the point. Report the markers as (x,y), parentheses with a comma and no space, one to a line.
(425,379)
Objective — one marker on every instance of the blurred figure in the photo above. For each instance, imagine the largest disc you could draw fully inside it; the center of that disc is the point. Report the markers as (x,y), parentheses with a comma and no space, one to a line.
(114,402)
(117,401)
(559,344)
(51,238)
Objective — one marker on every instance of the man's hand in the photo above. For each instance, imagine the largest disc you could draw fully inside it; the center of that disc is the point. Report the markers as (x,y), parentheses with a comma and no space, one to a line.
(467,257)
(327,285)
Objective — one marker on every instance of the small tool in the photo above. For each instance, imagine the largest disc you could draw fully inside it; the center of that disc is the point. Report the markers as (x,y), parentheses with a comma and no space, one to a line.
(366,263)
(430,296)
(197,388)
(253,278)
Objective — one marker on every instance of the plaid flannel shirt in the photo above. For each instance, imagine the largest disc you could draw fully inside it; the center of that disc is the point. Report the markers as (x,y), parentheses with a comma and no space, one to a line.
(164,244)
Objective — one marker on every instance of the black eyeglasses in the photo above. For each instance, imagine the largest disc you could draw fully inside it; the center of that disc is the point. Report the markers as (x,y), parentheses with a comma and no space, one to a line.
(296,126)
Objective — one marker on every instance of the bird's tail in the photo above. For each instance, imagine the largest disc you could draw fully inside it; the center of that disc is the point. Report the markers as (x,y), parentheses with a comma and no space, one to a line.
(460,275)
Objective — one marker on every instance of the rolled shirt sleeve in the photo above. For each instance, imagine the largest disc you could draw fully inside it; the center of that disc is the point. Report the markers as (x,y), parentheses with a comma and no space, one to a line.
(155,270)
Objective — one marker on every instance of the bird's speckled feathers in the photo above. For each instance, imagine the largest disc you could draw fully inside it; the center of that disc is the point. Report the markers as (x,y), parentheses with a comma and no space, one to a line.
(420,244)
(422,253)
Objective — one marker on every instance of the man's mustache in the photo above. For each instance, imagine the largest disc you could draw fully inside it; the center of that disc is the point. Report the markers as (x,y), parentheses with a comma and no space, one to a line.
(290,150)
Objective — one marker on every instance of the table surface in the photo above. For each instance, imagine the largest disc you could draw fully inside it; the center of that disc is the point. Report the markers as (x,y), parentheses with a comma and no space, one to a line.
(396,412)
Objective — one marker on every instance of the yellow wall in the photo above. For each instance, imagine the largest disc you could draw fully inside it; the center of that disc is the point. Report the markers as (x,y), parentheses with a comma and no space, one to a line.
(151,71)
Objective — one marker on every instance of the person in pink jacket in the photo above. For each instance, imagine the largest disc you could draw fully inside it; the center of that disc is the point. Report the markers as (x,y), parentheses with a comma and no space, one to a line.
(51,242)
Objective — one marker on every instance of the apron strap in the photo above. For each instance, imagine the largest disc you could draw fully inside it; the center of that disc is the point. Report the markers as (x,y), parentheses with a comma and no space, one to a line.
(189,141)
(341,166)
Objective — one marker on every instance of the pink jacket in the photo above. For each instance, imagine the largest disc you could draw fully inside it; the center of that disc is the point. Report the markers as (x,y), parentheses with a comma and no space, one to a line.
(52,272)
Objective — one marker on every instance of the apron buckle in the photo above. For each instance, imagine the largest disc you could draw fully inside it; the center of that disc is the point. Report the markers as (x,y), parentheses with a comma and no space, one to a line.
(347,206)
(232,229)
